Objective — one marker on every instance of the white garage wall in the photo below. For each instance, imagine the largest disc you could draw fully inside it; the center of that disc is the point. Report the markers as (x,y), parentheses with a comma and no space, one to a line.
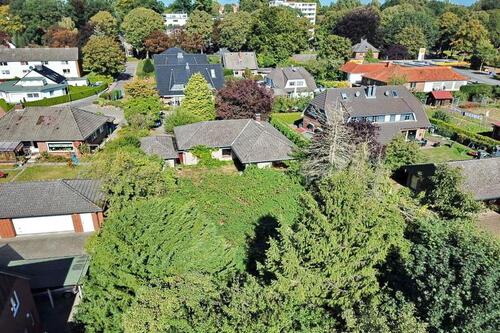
(87,223)
(44,224)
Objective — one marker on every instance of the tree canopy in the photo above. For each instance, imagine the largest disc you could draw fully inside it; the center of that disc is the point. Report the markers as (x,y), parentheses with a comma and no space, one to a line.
(198,98)
(103,55)
(138,24)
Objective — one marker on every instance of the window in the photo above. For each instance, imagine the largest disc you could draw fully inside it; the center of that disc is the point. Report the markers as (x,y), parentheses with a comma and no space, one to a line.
(3,63)
(51,93)
(66,71)
(6,72)
(25,71)
(14,304)
(394,93)
(24,63)
(291,83)
(226,152)
(34,95)
(413,84)
(60,146)
(393,118)
(408,116)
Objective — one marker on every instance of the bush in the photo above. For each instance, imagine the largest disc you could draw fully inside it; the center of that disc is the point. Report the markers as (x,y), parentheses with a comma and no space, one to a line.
(94,78)
(142,112)
(296,138)
(334,84)
(178,118)
(476,91)
(442,115)
(5,106)
(46,157)
(205,159)
(148,66)
(285,104)
(228,72)
(462,136)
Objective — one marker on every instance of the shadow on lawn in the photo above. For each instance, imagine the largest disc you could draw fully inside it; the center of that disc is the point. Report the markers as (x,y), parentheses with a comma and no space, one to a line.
(266,228)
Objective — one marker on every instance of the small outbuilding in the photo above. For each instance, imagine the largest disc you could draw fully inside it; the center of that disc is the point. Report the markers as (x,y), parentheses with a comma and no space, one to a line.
(10,151)
(440,98)
(162,146)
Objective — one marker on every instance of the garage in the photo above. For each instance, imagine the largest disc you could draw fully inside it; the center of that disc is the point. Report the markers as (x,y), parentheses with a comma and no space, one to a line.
(43,224)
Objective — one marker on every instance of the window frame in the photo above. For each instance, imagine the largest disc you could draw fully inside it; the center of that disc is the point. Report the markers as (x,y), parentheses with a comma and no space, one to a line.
(15,304)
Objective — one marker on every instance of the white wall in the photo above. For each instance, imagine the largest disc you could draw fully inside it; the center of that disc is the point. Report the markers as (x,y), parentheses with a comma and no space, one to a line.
(16,97)
(354,78)
(43,224)
(264,165)
(217,154)
(189,159)
(87,222)
(443,85)
(16,69)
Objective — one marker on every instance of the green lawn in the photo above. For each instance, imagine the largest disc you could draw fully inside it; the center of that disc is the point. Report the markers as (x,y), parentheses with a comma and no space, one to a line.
(50,172)
(11,174)
(466,123)
(288,118)
(444,153)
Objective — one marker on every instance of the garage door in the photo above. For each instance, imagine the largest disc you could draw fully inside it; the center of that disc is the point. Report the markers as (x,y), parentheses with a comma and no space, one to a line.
(45,224)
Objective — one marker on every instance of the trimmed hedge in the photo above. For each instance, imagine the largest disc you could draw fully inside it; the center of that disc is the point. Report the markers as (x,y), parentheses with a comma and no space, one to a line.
(68,98)
(462,136)
(296,138)
(5,106)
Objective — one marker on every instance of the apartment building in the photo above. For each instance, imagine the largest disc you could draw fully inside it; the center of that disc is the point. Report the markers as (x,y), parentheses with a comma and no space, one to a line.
(308,9)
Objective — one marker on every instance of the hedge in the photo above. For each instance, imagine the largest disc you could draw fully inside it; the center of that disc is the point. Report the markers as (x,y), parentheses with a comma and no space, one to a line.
(296,138)
(68,98)
(462,136)
(5,106)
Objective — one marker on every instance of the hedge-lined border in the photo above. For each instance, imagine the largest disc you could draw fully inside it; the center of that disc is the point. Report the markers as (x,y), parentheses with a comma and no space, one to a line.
(5,106)
(69,97)
(462,136)
(296,138)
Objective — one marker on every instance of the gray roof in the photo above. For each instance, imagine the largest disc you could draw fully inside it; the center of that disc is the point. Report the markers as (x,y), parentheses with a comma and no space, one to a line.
(280,76)
(239,60)
(39,54)
(162,146)
(46,198)
(50,123)
(176,56)
(363,46)
(250,140)
(481,177)
(7,146)
(11,86)
(170,76)
(384,103)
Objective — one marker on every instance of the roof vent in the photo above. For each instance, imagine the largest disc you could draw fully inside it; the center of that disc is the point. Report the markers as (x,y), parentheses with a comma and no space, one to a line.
(344,96)
(357,93)
(187,66)
(386,93)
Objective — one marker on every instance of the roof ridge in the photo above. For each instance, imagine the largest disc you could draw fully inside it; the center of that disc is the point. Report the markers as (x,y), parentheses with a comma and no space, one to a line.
(242,130)
(65,182)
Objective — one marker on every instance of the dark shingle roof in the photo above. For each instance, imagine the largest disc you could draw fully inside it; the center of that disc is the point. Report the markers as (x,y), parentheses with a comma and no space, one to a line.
(251,141)
(39,54)
(176,56)
(363,46)
(167,76)
(162,146)
(7,282)
(7,146)
(45,198)
(239,60)
(50,123)
(384,103)
(280,77)
(49,73)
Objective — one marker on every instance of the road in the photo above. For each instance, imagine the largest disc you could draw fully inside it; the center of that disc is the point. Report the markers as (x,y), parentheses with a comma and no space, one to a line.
(477,76)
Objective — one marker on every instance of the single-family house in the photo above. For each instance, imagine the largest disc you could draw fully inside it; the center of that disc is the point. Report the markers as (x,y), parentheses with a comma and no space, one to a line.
(360,50)
(355,71)
(162,146)
(292,82)
(421,79)
(16,62)
(481,177)
(40,82)
(41,207)
(246,141)
(239,62)
(56,130)
(393,109)
(174,68)
(18,312)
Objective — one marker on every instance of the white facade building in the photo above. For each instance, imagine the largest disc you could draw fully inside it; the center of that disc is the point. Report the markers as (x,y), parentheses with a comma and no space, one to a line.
(173,20)
(308,9)
(16,63)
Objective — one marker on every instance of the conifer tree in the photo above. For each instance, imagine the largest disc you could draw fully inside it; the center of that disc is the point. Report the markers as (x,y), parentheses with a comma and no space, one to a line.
(199,99)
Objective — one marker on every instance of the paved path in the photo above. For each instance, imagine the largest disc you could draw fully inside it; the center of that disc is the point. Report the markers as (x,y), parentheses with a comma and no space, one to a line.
(477,76)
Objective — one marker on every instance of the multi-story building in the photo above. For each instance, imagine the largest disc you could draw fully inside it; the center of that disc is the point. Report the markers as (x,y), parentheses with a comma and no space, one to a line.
(16,63)
(175,20)
(308,9)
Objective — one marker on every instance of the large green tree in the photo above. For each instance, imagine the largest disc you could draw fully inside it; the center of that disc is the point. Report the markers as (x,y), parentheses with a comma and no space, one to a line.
(400,152)
(9,22)
(142,112)
(104,24)
(123,7)
(198,98)
(468,36)
(278,33)
(138,24)
(200,24)
(412,38)
(234,30)
(103,55)
(406,18)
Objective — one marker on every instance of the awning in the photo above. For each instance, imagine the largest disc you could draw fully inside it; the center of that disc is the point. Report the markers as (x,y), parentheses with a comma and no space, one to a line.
(440,94)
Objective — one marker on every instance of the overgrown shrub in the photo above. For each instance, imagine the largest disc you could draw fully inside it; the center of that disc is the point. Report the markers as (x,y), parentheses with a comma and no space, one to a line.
(285,104)
(296,138)
(462,136)
(476,91)
(148,66)
(228,72)
(334,84)
(442,115)
(94,78)
(178,118)
(204,155)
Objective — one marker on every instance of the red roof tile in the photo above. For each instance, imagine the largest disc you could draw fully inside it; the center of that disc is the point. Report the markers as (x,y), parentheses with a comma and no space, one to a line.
(416,74)
(355,68)
(440,94)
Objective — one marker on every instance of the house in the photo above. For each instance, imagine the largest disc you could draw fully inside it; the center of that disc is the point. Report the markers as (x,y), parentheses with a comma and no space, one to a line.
(247,141)
(355,70)
(39,83)
(174,20)
(16,63)
(18,312)
(55,130)
(421,79)
(307,9)
(162,146)
(293,82)
(42,207)
(173,69)
(238,62)
(481,177)
(393,109)
(440,98)
(360,50)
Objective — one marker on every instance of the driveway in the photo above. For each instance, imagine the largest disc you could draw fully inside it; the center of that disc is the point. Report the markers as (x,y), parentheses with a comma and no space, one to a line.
(42,246)
(130,68)
(477,76)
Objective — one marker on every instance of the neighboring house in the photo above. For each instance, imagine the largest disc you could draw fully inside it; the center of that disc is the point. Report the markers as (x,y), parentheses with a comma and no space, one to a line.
(393,109)
(55,130)
(421,79)
(291,81)
(238,62)
(173,69)
(355,71)
(175,20)
(481,177)
(42,207)
(18,313)
(247,141)
(40,82)
(162,146)
(16,63)
(308,9)
(440,98)
(360,50)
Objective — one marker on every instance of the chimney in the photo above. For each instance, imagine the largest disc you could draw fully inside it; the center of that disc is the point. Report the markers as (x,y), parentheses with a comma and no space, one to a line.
(388,64)
(257,117)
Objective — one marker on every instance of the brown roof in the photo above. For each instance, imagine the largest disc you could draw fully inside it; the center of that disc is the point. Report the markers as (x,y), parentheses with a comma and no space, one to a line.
(415,74)
(355,68)
(441,94)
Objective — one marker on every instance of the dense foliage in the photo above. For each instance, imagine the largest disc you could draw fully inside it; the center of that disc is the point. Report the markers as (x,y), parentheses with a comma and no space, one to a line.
(198,98)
